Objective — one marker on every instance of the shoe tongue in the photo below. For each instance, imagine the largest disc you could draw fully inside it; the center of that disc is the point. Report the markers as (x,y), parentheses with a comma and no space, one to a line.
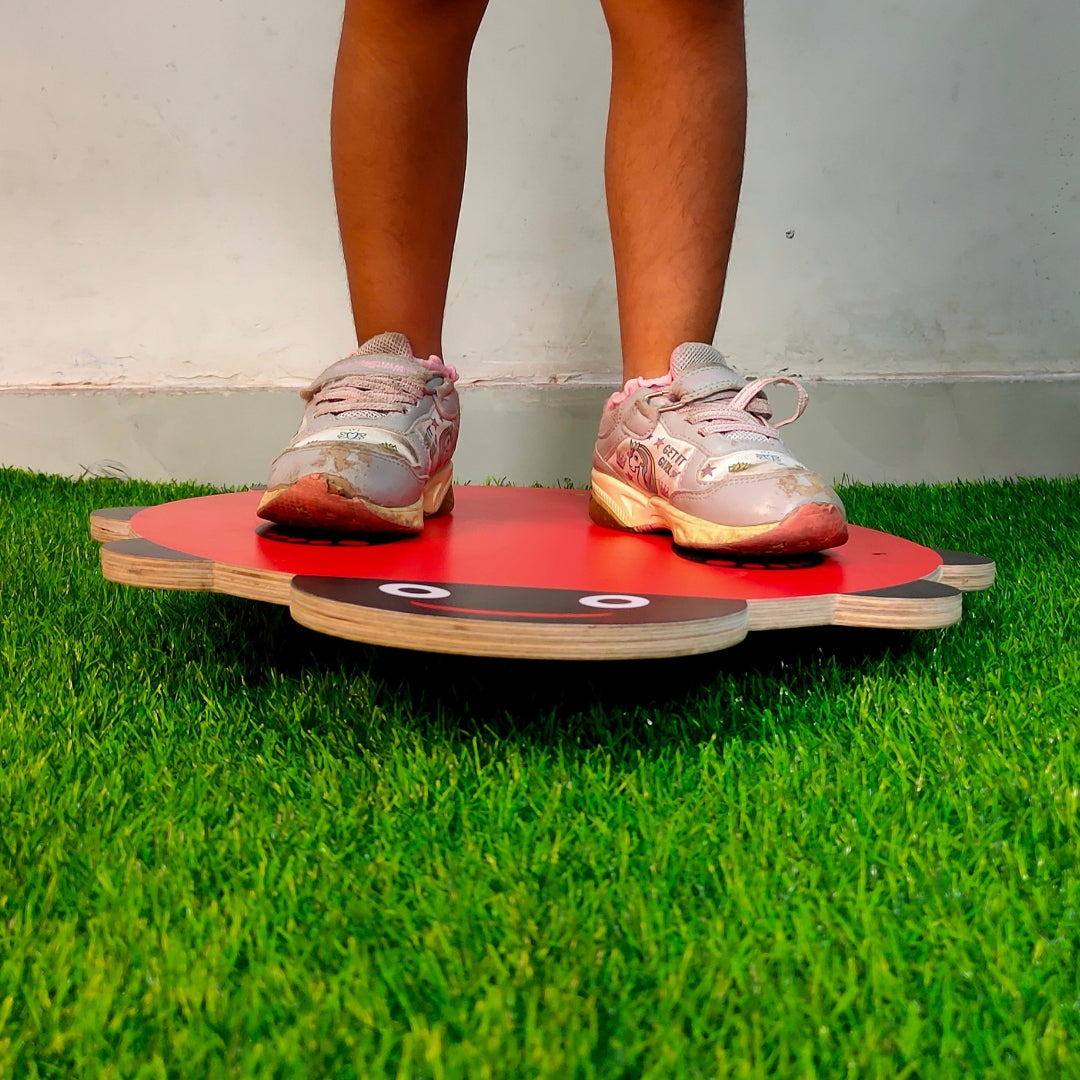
(384,354)
(696,365)
(698,371)
(386,345)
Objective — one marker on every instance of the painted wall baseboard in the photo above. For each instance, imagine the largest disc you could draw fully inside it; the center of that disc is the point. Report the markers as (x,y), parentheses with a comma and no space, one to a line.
(869,431)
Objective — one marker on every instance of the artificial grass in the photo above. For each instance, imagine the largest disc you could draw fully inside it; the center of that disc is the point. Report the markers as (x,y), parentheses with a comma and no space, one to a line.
(233,848)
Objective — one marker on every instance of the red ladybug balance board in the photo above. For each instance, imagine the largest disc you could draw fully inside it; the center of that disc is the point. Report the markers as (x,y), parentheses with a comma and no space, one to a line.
(523,572)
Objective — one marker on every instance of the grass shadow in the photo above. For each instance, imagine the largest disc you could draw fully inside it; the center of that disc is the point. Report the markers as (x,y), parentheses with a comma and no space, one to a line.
(633,705)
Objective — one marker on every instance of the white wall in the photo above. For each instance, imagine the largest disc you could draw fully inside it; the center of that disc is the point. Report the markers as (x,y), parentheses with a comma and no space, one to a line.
(166,212)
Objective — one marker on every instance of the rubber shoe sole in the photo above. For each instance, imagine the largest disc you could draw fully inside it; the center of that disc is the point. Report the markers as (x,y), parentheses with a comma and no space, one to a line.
(812,527)
(325,503)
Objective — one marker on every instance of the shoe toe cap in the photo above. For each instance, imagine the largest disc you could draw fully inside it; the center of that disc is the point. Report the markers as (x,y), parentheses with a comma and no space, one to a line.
(380,476)
(758,498)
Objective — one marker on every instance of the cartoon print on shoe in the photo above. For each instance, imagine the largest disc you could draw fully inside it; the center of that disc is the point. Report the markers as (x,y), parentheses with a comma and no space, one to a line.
(694,452)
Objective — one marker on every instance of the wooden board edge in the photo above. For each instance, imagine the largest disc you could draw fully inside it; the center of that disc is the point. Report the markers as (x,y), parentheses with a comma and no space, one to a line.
(113,523)
(250,583)
(139,562)
(969,573)
(790,614)
(891,609)
(514,639)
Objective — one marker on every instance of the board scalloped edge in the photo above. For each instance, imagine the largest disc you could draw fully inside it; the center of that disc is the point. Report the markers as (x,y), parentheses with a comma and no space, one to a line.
(927,603)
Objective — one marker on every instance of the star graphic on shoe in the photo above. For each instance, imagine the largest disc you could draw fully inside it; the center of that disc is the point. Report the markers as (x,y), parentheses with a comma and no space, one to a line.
(709,470)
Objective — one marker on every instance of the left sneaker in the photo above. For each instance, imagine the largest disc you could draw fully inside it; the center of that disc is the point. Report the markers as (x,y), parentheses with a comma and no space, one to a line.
(694,452)
(374,447)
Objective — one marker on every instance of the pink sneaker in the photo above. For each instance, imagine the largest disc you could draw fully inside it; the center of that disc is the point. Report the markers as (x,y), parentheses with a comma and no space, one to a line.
(693,452)
(374,447)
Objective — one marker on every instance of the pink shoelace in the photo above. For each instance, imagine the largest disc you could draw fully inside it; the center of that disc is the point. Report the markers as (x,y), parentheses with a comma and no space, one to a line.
(374,392)
(726,411)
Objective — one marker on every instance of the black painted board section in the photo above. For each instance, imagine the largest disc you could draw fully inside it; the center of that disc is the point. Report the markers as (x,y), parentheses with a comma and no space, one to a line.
(496,602)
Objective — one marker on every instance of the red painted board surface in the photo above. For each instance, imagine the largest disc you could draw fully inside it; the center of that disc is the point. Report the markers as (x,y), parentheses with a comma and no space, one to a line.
(527,538)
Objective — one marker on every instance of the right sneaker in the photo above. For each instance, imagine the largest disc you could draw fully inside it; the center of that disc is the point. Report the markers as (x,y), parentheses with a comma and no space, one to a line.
(693,453)
(374,447)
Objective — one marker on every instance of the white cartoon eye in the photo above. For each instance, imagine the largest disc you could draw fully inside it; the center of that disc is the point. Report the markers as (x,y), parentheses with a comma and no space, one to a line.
(413,591)
(614,601)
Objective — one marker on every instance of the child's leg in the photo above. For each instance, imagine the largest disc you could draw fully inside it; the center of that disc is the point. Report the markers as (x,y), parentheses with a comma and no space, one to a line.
(398,138)
(676,132)
(374,449)
(698,455)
